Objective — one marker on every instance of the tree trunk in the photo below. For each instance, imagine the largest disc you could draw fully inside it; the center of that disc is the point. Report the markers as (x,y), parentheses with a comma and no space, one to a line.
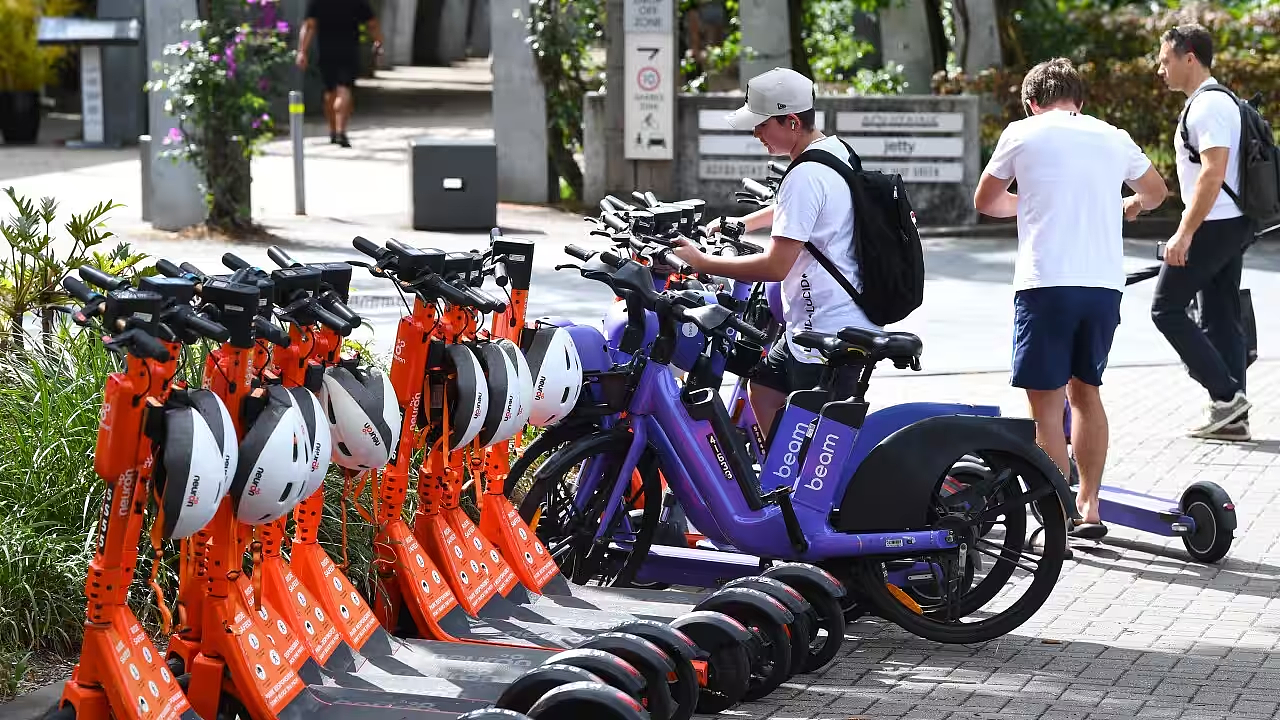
(795,27)
(937,34)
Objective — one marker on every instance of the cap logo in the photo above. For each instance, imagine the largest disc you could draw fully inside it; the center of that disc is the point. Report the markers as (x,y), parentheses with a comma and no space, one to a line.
(781,106)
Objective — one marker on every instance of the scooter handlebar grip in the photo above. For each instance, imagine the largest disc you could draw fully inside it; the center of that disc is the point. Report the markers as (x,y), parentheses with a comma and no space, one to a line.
(755,188)
(148,347)
(79,290)
(270,332)
(368,247)
(577,252)
(94,276)
(331,321)
(280,257)
(398,247)
(611,259)
(205,327)
(614,222)
(168,269)
(235,262)
(335,305)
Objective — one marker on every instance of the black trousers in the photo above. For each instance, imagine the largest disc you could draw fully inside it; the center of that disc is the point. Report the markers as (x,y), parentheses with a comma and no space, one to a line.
(1214,351)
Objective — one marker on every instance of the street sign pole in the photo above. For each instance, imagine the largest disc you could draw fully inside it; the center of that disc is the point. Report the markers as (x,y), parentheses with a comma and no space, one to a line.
(296,109)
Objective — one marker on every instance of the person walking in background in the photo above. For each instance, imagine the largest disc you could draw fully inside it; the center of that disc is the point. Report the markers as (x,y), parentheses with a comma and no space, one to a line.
(1205,256)
(335,25)
(1069,272)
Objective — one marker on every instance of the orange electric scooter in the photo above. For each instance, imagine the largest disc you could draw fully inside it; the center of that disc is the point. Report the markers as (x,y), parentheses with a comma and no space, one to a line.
(249,646)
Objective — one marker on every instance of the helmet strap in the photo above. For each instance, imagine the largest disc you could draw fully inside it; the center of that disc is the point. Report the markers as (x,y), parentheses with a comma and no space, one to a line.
(255,550)
(157,530)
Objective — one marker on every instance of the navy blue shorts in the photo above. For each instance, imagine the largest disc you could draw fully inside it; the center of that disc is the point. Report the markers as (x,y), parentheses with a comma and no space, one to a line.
(1062,332)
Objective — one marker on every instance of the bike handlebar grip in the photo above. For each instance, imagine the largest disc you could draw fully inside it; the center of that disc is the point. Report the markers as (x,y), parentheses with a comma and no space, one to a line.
(500,276)
(168,269)
(614,222)
(749,331)
(280,257)
(495,233)
(756,188)
(367,246)
(577,252)
(651,199)
(448,293)
(331,321)
(728,250)
(207,328)
(94,276)
(616,203)
(668,258)
(148,347)
(189,268)
(235,262)
(79,290)
(777,167)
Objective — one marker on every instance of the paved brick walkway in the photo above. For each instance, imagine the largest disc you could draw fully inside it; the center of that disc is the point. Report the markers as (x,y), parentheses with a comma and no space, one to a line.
(1133,629)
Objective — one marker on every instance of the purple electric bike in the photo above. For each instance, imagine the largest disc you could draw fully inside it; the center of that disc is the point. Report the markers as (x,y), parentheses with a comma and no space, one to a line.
(861,494)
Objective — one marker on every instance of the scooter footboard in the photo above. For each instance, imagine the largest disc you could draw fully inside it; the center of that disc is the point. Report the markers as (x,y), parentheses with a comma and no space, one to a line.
(892,488)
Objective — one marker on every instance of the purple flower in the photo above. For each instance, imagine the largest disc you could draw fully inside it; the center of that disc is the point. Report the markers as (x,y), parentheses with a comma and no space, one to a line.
(252,2)
(185,44)
(215,57)
(174,136)
(282,27)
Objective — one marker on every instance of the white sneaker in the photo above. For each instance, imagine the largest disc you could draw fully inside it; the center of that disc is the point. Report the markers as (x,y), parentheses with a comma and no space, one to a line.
(1222,414)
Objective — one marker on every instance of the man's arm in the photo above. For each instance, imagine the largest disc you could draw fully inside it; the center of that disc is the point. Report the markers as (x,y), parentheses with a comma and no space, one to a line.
(1213,171)
(772,265)
(993,197)
(375,31)
(1150,191)
(304,40)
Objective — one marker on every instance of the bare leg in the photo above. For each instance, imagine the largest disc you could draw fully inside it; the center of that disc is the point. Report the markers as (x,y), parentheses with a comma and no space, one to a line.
(342,107)
(329,98)
(1089,436)
(1047,410)
(765,403)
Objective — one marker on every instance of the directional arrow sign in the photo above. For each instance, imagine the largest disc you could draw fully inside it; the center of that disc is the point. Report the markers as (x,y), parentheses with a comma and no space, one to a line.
(653,52)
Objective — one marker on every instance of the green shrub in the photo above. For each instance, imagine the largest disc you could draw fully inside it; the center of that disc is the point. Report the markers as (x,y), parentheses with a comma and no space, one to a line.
(1124,89)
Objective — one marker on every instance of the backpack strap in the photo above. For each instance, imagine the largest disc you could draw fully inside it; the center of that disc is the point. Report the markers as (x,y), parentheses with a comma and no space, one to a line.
(1186,134)
(848,172)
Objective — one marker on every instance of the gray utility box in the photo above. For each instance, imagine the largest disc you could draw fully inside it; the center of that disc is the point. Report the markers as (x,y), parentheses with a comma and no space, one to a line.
(454,182)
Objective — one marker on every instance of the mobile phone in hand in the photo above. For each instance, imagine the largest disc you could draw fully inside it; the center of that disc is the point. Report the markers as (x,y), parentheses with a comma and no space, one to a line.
(1160,249)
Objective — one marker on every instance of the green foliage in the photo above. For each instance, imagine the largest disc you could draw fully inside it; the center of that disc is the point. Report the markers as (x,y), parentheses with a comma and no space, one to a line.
(561,33)
(38,260)
(221,85)
(24,65)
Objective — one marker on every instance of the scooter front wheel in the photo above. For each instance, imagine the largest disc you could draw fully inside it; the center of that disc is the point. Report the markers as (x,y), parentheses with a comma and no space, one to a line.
(1215,524)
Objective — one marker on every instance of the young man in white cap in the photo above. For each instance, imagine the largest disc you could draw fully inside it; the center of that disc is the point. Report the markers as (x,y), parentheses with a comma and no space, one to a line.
(813,205)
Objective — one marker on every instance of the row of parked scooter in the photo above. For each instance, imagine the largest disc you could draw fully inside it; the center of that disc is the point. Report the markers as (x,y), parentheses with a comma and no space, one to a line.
(463,619)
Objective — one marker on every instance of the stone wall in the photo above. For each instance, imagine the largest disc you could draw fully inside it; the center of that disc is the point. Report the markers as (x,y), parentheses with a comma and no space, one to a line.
(931,140)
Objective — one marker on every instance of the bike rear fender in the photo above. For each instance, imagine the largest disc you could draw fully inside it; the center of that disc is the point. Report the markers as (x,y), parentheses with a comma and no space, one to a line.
(892,488)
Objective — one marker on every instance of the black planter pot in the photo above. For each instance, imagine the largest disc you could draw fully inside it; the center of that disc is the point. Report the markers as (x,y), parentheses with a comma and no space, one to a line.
(19,117)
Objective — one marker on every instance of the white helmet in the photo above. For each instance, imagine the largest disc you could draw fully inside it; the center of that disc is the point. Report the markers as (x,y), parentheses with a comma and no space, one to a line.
(319,438)
(197,458)
(523,382)
(468,396)
(364,416)
(557,375)
(503,419)
(273,466)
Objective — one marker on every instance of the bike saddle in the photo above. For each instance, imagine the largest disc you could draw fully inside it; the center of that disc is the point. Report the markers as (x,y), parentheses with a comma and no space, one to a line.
(897,346)
(836,351)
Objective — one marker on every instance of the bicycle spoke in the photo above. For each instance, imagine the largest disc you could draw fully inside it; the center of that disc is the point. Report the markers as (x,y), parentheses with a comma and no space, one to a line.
(1002,557)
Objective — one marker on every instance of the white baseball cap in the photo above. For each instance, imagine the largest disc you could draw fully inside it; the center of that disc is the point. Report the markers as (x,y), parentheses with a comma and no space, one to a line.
(779,91)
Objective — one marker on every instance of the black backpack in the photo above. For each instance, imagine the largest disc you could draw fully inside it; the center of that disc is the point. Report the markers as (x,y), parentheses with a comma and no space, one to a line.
(886,243)
(1259,161)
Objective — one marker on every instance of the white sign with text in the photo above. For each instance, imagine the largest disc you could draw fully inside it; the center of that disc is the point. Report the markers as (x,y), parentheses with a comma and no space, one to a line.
(650,119)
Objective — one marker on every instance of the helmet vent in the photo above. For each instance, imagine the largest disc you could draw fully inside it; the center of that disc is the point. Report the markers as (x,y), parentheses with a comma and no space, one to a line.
(329,408)
(288,488)
(342,447)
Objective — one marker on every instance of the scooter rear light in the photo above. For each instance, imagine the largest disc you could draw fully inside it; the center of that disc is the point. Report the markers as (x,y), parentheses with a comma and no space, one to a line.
(1229,506)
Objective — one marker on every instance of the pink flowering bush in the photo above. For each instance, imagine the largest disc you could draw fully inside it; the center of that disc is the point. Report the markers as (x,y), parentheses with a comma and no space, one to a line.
(221,88)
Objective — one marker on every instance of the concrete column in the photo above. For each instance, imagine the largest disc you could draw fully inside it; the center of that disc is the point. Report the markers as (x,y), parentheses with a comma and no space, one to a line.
(452,43)
(397,28)
(904,30)
(519,109)
(126,109)
(982,39)
(176,199)
(766,37)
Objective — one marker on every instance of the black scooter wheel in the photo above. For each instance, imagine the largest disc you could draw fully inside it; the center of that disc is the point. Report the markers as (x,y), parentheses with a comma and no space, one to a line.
(768,620)
(587,700)
(653,663)
(725,642)
(801,630)
(1215,517)
(824,594)
(610,668)
(682,651)
(527,689)
(493,714)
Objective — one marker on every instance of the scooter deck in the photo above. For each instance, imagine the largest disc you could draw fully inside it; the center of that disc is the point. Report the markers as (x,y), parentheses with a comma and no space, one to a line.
(696,567)
(325,702)
(1140,511)
(442,669)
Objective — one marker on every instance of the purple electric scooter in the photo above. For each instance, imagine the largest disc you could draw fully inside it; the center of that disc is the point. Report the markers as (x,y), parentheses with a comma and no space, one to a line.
(1204,517)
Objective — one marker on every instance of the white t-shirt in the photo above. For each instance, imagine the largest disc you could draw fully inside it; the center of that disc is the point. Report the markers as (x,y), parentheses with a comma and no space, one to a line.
(814,206)
(1069,169)
(1212,121)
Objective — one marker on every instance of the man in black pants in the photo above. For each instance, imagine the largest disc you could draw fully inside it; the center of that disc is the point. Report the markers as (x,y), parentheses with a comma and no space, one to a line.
(1205,255)
(336,26)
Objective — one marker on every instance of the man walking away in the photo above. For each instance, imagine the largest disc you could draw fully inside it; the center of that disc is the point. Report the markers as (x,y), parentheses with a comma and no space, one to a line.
(1205,255)
(1069,272)
(335,24)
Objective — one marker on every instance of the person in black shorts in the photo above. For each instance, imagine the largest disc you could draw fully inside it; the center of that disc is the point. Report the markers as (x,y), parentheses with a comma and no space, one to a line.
(335,25)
